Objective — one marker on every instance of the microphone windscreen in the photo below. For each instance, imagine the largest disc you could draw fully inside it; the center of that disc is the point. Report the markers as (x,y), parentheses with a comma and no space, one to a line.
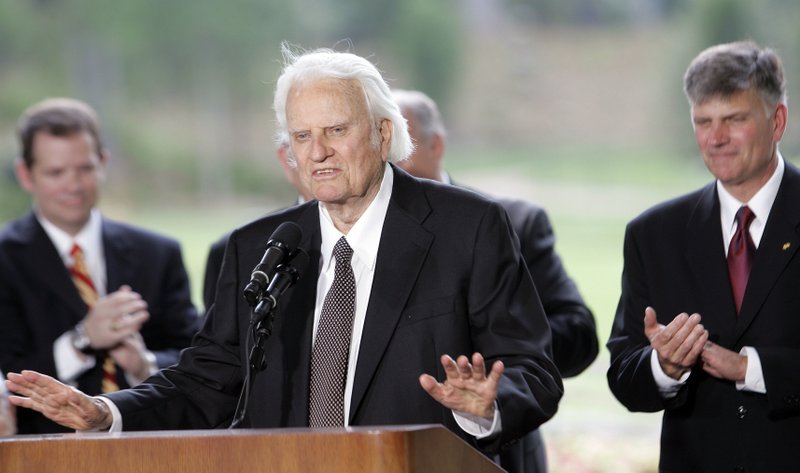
(288,233)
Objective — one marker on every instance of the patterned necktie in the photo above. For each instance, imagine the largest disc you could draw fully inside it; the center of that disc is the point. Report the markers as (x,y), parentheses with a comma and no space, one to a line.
(331,352)
(83,281)
(740,255)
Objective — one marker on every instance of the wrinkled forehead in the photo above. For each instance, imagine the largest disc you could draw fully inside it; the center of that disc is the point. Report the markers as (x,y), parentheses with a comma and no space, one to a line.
(325,101)
(741,99)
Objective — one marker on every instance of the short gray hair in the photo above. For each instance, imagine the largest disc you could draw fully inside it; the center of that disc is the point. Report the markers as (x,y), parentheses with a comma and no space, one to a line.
(726,69)
(424,110)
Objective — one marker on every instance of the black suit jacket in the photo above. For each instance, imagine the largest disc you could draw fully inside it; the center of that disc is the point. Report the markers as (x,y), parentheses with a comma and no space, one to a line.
(675,262)
(39,302)
(216,253)
(573,329)
(448,279)
(575,344)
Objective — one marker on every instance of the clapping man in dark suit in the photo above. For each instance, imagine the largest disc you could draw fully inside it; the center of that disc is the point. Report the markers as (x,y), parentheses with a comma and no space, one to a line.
(130,314)
(423,271)
(575,343)
(708,328)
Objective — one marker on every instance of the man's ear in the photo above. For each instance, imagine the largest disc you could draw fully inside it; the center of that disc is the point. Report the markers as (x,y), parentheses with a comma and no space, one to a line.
(437,146)
(387,128)
(103,159)
(781,118)
(24,175)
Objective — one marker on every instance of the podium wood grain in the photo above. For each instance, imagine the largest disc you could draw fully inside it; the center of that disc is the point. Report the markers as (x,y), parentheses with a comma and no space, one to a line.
(403,449)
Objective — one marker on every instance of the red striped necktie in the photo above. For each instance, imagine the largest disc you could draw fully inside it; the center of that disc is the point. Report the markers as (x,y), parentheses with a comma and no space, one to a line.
(83,282)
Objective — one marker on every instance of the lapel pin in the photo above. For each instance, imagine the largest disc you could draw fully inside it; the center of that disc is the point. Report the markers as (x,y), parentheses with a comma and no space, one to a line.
(786,246)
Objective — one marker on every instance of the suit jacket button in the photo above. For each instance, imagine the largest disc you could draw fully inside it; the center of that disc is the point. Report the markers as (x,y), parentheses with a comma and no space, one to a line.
(742,412)
(739,469)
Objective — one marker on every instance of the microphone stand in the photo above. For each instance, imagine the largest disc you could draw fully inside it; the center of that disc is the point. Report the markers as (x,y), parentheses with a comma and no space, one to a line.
(261,330)
(262,315)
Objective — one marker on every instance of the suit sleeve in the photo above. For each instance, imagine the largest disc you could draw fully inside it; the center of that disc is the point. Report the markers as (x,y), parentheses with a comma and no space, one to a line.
(173,318)
(510,325)
(21,345)
(575,344)
(780,366)
(629,375)
(213,266)
(201,391)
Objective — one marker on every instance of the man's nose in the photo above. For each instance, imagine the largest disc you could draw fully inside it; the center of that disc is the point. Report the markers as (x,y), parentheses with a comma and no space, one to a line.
(320,150)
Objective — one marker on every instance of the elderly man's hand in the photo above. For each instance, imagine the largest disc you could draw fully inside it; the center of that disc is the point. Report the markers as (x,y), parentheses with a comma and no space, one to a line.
(467,387)
(57,401)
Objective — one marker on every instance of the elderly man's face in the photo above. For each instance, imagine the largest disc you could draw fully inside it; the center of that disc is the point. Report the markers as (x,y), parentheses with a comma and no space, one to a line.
(331,136)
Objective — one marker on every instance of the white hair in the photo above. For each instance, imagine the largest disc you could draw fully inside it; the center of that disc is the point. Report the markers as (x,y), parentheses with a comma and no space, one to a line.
(329,64)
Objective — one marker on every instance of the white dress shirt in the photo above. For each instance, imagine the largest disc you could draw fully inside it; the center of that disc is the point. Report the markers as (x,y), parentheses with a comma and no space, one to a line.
(69,364)
(364,238)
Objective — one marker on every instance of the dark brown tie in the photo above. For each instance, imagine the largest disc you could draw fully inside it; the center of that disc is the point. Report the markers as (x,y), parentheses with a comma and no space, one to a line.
(740,255)
(331,352)
(83,281)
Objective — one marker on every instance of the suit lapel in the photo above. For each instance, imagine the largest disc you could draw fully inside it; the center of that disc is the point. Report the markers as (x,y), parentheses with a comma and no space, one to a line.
(706,258)
(119,257)
(778,246)
(298,323)
(401,253)
(39,254)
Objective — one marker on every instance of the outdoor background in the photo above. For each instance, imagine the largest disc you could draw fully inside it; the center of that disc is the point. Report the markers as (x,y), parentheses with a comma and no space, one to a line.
(574,104)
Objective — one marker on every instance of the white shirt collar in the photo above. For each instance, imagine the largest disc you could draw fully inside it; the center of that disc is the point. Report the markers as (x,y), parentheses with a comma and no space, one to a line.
(89,238)
(760,204)
(365,236)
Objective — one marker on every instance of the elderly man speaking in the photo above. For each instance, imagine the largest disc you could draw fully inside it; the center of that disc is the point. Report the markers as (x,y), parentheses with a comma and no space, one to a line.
(416,307)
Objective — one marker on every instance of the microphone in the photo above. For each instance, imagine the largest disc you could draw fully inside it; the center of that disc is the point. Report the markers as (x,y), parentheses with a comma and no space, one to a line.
(280,246)
(285,277)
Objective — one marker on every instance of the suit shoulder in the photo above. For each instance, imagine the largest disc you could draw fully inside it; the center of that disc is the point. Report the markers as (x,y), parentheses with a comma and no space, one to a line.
(440,194)
(677,209)
(264,226)
(16,230)
(520,206)
(140,235)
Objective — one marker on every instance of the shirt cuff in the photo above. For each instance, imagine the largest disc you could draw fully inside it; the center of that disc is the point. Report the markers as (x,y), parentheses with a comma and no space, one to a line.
(116,416)
(668,387)
(754,376)
(152,368)
(477,426)
(69,364)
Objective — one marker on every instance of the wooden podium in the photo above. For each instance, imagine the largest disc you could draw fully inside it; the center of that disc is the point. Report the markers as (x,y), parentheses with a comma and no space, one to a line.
(401,449)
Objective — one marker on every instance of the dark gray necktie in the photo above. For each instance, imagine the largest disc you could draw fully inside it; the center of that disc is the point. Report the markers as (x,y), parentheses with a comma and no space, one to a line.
(331,351)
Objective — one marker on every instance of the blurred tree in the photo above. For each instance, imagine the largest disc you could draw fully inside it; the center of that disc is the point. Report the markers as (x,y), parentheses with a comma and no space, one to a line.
(183,87)
(722,21)
(175,80)
(426,39)
(15,200)
(593,12)
(416,43)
